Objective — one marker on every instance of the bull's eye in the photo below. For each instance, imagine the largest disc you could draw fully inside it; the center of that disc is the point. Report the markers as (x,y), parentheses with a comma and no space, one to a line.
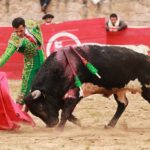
(41,107)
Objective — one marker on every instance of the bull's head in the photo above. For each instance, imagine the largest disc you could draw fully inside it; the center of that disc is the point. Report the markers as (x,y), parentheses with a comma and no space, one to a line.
(42,107)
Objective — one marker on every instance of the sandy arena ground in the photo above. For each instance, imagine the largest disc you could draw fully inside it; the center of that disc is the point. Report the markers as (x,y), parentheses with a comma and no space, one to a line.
(131,133)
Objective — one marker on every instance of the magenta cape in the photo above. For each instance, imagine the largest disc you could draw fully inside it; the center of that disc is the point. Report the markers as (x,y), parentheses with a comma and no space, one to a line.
(11,114)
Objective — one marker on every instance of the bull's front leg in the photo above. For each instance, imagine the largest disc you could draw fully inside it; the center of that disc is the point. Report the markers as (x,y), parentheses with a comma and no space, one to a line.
(122,102)
(67,110)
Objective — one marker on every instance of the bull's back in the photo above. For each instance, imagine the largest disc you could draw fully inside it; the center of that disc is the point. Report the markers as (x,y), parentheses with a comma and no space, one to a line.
(116,65)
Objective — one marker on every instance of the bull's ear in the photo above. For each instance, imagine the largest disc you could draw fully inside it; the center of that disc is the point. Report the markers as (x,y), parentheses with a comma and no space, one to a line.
(35,94)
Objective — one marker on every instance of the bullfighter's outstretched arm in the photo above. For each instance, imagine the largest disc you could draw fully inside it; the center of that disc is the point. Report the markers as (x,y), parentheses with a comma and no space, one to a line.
(7,54)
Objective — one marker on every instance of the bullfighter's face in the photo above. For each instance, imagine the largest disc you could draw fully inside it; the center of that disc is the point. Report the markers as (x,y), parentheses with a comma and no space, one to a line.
(42,108)
(20,31)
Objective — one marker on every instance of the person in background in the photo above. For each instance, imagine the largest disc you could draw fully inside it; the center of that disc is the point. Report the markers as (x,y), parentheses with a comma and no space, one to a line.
(48,18)
(44,5)
(115,24)
(27,40)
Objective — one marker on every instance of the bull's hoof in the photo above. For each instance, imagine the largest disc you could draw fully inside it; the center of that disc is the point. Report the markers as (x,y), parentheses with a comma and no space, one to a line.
(108,127)
(78,123)
(74,120)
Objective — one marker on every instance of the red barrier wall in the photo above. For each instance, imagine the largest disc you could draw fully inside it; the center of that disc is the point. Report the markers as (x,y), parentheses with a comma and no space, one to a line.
(130,36)
(56,36)
(74,32)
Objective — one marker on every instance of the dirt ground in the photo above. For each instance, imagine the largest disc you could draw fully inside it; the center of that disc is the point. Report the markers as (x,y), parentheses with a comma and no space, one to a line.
(131,133)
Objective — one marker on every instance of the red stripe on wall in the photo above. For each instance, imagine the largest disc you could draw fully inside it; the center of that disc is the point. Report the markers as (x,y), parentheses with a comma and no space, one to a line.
(70,33)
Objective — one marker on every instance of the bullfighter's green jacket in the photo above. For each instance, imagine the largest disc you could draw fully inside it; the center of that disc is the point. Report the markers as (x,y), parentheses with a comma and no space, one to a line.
(32,52)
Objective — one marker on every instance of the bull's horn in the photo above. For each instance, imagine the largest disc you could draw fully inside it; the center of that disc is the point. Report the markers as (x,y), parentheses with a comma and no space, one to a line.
(35,94)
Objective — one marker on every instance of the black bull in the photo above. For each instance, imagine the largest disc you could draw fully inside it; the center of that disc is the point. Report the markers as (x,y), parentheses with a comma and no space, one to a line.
(54,89)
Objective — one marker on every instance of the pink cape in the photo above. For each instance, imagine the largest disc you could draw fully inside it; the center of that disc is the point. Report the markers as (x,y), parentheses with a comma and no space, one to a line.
(11,114)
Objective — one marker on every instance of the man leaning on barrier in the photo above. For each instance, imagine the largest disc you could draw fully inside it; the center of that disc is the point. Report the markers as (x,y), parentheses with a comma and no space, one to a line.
(115,24)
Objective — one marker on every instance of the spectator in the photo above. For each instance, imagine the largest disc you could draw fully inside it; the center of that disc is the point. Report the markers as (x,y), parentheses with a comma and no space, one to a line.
(27,40)
(115,24)
(44,4)
(48,19)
